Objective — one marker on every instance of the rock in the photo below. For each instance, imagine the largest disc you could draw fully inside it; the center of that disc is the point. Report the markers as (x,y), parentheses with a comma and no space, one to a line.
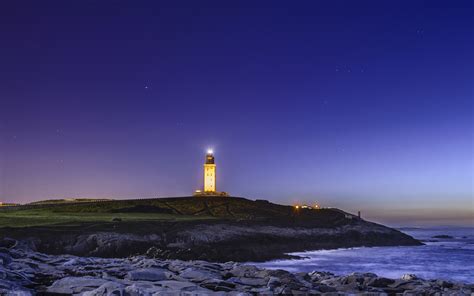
(142,289)
(5,258)
(249,281)
(197,275)
(139,276)
(16,293)
(443,236)
(69,285)
(444,284)
(260,291)
(273,282)
(244,271)
(409,277)
(148,274)
(175,285)
(326,289)
(238,293)
(218,285)
(283,290)
(109,289)
(317,276)
(71,262)
(380,282)
(354,278)
(8,243)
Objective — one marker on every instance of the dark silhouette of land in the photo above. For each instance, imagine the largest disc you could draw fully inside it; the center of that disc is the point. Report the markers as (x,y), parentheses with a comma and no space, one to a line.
(208,228)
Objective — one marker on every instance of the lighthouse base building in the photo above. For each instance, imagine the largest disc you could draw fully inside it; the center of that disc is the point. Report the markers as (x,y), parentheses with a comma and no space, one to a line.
(209,178)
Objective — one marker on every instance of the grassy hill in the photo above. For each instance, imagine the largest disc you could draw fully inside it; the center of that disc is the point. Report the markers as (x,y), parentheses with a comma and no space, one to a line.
(163,209)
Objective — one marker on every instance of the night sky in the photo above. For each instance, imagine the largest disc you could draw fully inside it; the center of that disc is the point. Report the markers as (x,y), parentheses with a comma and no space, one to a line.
(362,105)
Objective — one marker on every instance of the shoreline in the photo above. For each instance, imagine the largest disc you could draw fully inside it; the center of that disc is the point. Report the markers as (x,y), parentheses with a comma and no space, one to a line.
(29,272)
(217,240)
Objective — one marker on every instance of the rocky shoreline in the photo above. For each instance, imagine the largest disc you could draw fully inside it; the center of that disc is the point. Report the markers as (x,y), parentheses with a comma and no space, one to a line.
(217,241)
(26,272)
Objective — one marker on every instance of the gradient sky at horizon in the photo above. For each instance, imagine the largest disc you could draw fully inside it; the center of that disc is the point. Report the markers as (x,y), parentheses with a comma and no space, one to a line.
(363,105)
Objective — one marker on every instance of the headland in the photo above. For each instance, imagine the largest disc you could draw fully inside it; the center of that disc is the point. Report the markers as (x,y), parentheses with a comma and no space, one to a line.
(189,228)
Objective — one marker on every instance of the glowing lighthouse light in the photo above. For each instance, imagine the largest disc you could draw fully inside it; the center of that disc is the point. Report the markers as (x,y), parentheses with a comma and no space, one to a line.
(210,151)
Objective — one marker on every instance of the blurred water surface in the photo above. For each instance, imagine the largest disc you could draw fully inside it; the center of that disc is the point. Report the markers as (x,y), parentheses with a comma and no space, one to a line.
(441,258)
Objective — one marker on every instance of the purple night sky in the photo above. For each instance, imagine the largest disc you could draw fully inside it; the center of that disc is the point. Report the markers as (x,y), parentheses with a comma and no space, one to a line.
(362,105)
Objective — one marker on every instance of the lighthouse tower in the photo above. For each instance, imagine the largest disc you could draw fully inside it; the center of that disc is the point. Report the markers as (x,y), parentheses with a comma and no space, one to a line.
(209,173)
(210,178)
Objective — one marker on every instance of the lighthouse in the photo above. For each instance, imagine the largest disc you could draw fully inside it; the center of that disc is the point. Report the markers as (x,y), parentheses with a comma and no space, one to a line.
(210,188)
(210,172)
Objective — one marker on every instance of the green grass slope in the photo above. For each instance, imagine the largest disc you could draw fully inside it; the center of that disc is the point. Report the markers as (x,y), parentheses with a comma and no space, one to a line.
(166,209)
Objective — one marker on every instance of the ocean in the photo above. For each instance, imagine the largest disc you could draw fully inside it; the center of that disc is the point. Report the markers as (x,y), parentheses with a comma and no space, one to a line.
(440,258)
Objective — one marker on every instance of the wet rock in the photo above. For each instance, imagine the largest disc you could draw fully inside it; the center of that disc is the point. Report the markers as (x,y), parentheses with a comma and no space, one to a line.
(444,284)
(249,281)
(175,285)
(409,277)
(244,271)
(109,289)
(141,289)
(148,274)
(69,285)
(199,275)
(30,271)
(317,276)
(380,282)
(273,282)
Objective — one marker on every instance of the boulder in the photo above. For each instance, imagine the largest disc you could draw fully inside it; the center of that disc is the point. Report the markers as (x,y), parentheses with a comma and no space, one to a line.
(244,271)
(273,282)
(409,277)
(317,276)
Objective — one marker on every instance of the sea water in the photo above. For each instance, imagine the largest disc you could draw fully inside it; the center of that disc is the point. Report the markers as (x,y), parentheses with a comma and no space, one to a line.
(440,258)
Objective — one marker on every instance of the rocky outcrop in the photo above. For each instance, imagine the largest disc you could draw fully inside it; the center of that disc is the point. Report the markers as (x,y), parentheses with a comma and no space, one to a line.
(218,241)
(25,272)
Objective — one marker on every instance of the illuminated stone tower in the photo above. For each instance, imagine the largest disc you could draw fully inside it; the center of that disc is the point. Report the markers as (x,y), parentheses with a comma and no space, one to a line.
(210,188)
(210,173)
